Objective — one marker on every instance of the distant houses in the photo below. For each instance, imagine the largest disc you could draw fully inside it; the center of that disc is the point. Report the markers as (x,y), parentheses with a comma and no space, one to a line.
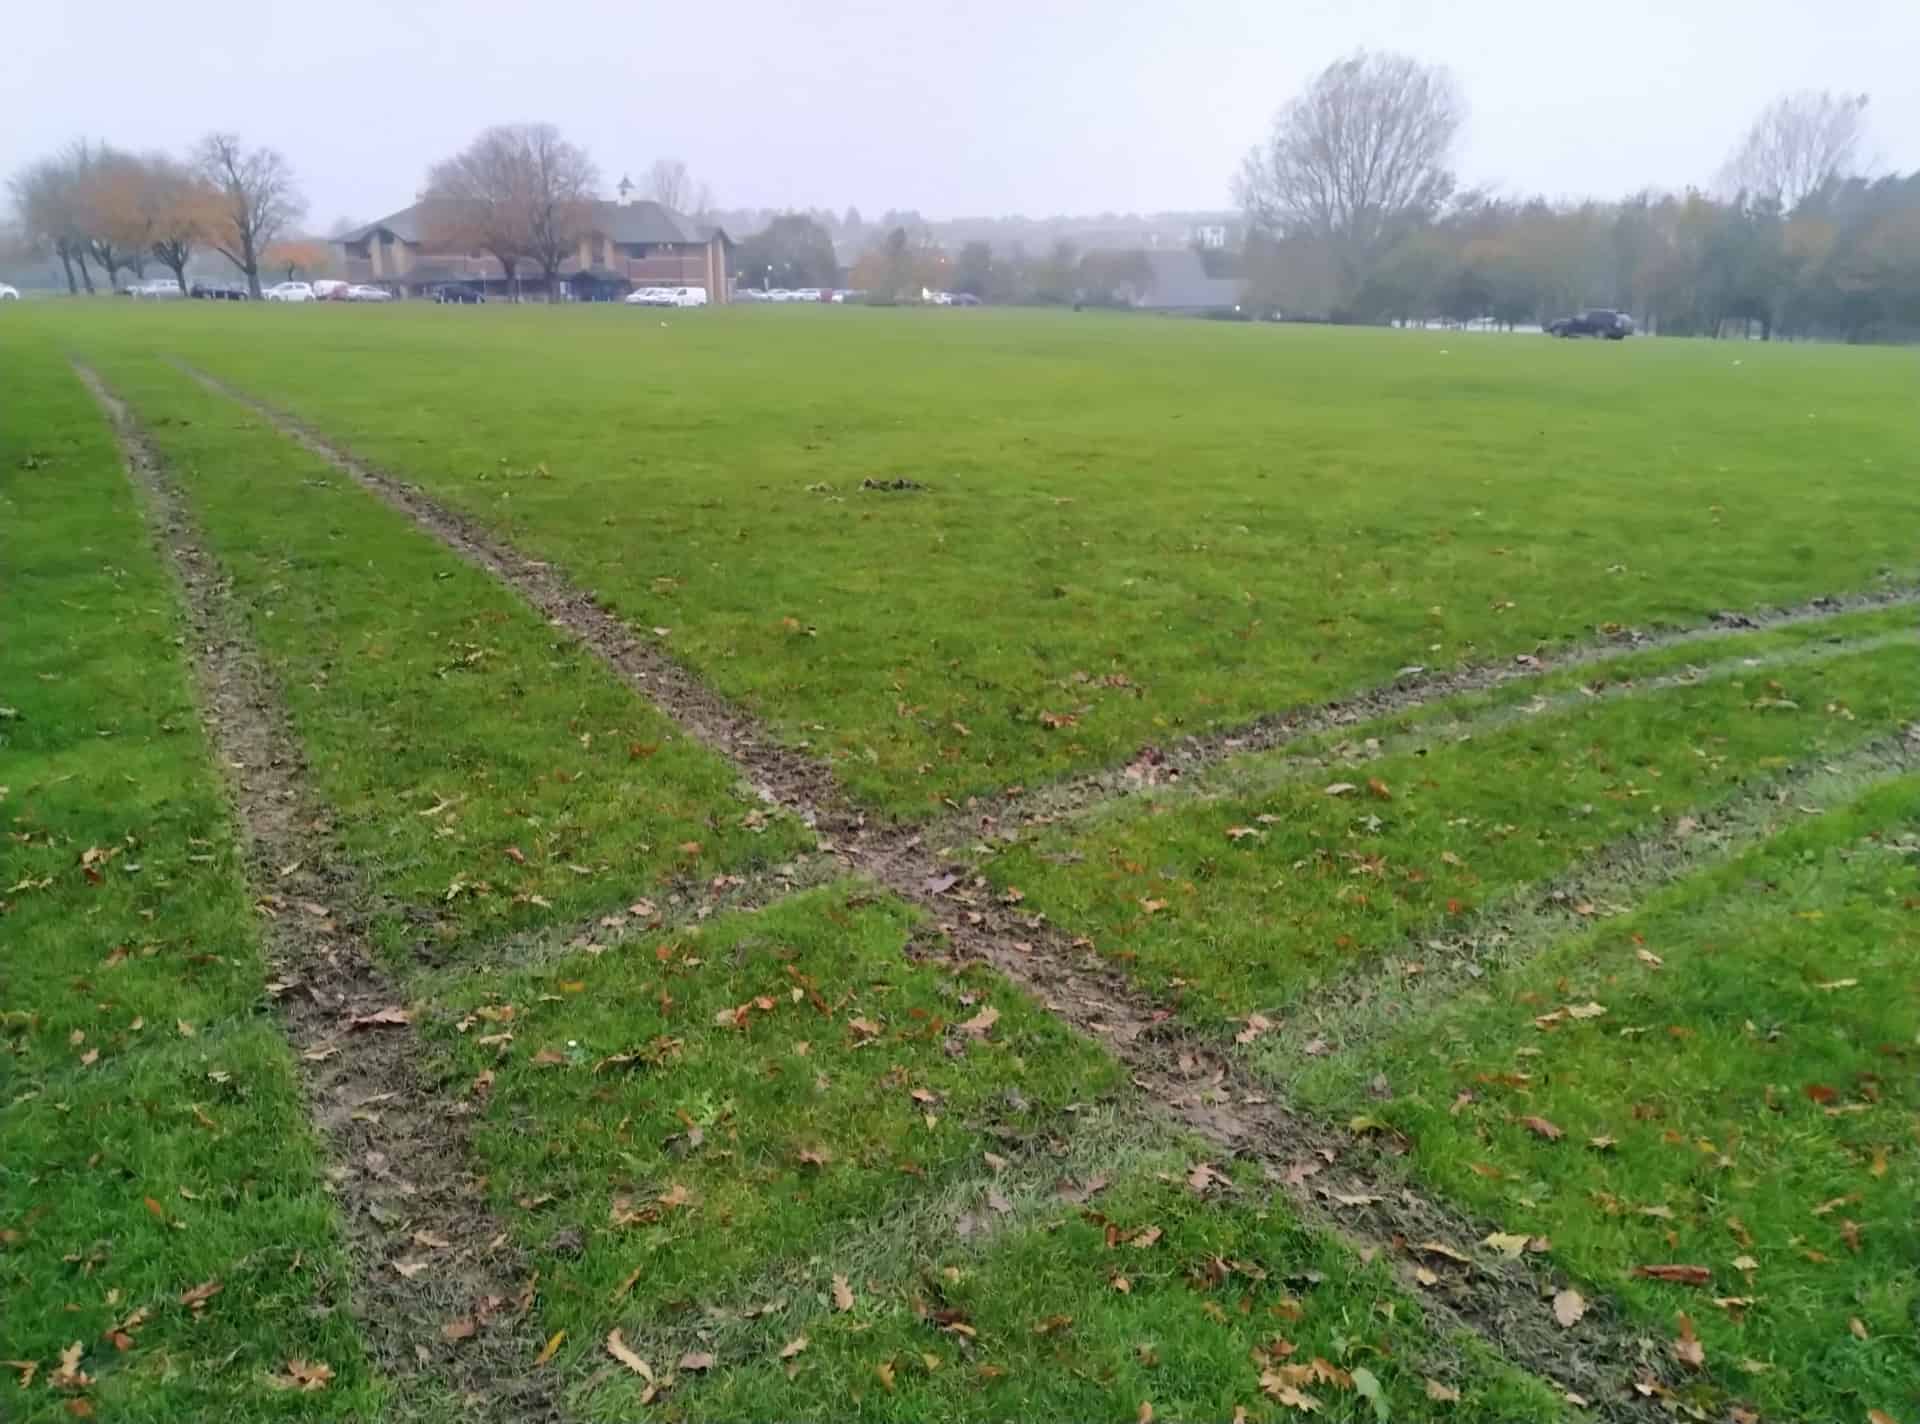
(629,243)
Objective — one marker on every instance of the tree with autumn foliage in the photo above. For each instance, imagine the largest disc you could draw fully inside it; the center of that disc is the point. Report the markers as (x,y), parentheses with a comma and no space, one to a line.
(185,213)
(296,256)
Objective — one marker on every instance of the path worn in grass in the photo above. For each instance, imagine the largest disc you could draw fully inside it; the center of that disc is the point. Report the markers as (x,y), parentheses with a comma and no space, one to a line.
(440,1296)
(166,1248)
(1201,1090)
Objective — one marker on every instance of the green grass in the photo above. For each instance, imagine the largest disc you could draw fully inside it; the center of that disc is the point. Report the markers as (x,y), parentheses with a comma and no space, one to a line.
(152,1136)
(1215,1296)
(487,773)
(1314,886)
(1129,529)
(798,1146)
(1754,1087)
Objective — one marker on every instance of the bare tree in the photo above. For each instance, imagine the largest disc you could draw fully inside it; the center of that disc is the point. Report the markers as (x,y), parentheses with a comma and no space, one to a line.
(53,212)
(1357,158)
(670,184)
(482,198)
(257,199)
(560,193)
(1799,144)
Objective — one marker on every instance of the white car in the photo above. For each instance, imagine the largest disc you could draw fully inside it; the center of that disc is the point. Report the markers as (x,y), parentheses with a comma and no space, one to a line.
(289,292)
(330,290)
(155,289)
(667,297)
(363,292)
(8,293)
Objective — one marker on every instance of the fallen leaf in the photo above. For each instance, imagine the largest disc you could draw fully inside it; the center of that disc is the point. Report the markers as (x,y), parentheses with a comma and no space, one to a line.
(620,1291)
(1832,984)
(1678,1275)
(1144,1414)
(864,1026)
(1378,789)
(391,1016)
(885,1372)
(1052,1325)
(1442,1393)
(550,1349)
(462,1329)
(1568,1307)
(842,1294)
(981,1022)
(693,1362)
(618,1348)
(1687,1349)
(1857,1326)
(1541,1127)
(793,1347)
(186,1029)
(306,1376)
(1338,788)
(199,1295)
(68,1374)
(27,1368)
(1257,1024)
(1203,1175)
(549,1058)
(409,1269)
(1507,1244)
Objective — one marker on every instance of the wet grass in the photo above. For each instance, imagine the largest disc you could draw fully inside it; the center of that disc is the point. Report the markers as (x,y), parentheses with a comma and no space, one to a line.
(1126,529)
(153,1139)
(1237,902)
(1728,1076)
(487,773)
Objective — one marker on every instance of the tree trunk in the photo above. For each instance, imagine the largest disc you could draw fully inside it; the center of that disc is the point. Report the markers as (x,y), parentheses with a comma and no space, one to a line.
(250,264)
(86,277)
(180,275)
(66,262)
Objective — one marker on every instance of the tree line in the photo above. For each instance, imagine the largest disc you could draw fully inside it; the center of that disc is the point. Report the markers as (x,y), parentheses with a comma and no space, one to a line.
(95,207)
(1355,214)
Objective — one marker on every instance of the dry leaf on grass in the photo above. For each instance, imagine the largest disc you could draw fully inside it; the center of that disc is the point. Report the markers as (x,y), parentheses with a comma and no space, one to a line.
(550,1349)
(1687,1349)
(1676,1275)
(1442,1393)
(1543,1128)
(793,1347)
(693,1362)
(1568,1307)
(842,1294)
(619,1349)
(392,1016)
(981,1022)
(307,1376)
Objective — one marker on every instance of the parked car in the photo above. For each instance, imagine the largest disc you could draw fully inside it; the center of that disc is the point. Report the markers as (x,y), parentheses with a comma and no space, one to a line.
(455,294)
(964,299)
(646,297)
(218,291)
(1595,321)
(366,292)
(156,289)
(330,290)
(9,293)
(289,292)
(667,297)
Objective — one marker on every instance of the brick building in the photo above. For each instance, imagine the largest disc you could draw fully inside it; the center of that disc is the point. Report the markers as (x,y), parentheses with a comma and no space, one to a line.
(629,243)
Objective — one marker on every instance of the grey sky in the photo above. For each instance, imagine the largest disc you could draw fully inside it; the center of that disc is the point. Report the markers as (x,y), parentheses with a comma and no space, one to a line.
(955,107)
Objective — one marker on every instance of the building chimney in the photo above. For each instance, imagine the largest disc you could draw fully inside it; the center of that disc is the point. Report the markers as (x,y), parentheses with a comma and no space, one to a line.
(625,191)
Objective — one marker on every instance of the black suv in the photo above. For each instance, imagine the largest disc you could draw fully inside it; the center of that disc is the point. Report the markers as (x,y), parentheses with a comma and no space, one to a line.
(454,294)
(1595,321)
(218,291)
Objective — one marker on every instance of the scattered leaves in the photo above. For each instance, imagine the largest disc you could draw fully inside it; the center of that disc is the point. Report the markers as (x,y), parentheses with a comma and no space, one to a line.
(1677,1275)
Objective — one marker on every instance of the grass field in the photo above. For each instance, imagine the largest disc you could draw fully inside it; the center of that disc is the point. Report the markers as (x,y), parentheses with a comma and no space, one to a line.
(1604,967)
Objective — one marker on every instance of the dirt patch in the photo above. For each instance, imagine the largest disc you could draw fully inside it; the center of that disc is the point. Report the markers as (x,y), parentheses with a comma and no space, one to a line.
(398,1148)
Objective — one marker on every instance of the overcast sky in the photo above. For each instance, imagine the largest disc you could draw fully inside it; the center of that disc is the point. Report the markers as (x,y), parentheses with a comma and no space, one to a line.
(954,107)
